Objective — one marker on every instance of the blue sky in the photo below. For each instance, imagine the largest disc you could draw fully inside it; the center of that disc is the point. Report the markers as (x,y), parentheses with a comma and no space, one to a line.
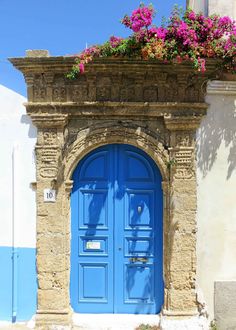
(61,26)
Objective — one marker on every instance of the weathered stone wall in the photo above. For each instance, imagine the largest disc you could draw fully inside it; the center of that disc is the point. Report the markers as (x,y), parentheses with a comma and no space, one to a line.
(152,106)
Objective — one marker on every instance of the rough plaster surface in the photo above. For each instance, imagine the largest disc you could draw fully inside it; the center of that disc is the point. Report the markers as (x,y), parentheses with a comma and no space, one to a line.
(16,129)
(210,7)
(223,8)
(225,305)
(198,5)
(216,179)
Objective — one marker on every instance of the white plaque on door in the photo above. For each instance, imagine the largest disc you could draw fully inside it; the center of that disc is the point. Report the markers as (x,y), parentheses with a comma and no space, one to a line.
(93,245)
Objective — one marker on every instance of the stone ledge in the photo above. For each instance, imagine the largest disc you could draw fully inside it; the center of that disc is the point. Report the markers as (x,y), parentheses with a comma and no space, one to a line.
(221,87)
(111,109)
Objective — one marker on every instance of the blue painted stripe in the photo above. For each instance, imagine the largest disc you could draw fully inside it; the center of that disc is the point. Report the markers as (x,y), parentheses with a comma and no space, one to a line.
(25,284)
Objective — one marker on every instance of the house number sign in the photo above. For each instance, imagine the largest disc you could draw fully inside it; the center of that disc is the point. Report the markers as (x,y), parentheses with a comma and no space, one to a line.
(49,195)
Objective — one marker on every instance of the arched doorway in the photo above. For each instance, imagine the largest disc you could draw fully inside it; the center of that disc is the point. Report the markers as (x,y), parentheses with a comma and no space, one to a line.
(116,229)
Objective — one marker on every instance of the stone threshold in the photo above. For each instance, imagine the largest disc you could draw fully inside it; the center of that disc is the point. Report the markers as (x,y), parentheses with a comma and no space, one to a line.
(131,322)
(118,322)
(112,321)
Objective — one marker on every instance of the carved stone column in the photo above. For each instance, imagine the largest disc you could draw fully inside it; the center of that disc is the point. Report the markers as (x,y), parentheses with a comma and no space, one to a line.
(52,228)
(181,237)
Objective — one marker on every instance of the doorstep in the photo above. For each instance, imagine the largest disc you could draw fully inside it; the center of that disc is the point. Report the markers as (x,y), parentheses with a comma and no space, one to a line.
(112,321)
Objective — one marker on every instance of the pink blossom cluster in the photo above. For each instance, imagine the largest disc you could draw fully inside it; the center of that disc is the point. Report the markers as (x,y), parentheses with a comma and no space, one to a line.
(158,33)
(115,41)
(140,18)
(146,35)
(183,33)
(191,37)
(86,56)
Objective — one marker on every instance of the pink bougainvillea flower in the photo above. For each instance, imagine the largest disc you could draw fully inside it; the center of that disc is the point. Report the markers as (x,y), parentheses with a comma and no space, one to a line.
(141,17)
(159,33)
(191,15)
(81,67)
(201,64)
(115,41)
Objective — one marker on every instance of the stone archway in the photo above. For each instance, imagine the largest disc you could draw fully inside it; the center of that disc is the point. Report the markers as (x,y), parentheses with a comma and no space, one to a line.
(154,107)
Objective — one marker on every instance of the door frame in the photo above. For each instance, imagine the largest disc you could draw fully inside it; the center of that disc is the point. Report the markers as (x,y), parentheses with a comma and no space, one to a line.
(136,105)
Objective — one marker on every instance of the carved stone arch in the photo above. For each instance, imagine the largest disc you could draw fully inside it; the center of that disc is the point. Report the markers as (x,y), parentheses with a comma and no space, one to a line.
(90,140)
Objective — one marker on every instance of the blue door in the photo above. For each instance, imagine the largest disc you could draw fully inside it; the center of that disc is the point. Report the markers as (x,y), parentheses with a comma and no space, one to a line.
(116,244)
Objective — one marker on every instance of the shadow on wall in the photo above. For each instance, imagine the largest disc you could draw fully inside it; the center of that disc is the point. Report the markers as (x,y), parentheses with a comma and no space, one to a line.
(219,127)
(32,133)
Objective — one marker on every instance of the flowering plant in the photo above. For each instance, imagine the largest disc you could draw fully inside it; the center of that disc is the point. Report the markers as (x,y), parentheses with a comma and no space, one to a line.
(186,37)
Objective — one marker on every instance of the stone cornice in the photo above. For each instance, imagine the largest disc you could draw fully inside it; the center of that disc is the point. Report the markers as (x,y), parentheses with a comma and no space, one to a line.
(111,109)
(221,87)
(64,63)
(114,79)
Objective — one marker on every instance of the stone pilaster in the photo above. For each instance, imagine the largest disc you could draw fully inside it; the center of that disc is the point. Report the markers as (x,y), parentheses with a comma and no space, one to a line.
(52,229)
(181,236)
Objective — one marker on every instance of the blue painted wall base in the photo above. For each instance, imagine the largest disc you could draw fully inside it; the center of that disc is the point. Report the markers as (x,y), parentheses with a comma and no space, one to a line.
(18,293)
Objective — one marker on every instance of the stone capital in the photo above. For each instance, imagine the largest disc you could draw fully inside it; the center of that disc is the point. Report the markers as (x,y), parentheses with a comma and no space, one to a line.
(182,123)
(49,120)
(68,186)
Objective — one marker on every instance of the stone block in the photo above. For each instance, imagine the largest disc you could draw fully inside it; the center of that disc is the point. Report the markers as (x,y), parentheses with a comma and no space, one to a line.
(37,53)
(55,299)
(182,300)
(52,263)
(182,242)
(53,280)
(181,261)
(50,224)
(184,222)
(47,244)
(181,202)
(53,321)
(182,280)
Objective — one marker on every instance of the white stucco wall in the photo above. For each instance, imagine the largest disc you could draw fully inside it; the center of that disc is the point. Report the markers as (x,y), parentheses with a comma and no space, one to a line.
(210,7)
(216,178)
(198,5)
(223,8)
(16,129)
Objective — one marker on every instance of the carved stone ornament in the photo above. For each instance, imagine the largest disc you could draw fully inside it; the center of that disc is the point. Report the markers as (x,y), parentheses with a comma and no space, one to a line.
(184,164)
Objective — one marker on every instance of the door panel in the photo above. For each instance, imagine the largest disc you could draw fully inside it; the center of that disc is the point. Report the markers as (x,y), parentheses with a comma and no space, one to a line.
(140,208)
(116,246)
(90,290)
